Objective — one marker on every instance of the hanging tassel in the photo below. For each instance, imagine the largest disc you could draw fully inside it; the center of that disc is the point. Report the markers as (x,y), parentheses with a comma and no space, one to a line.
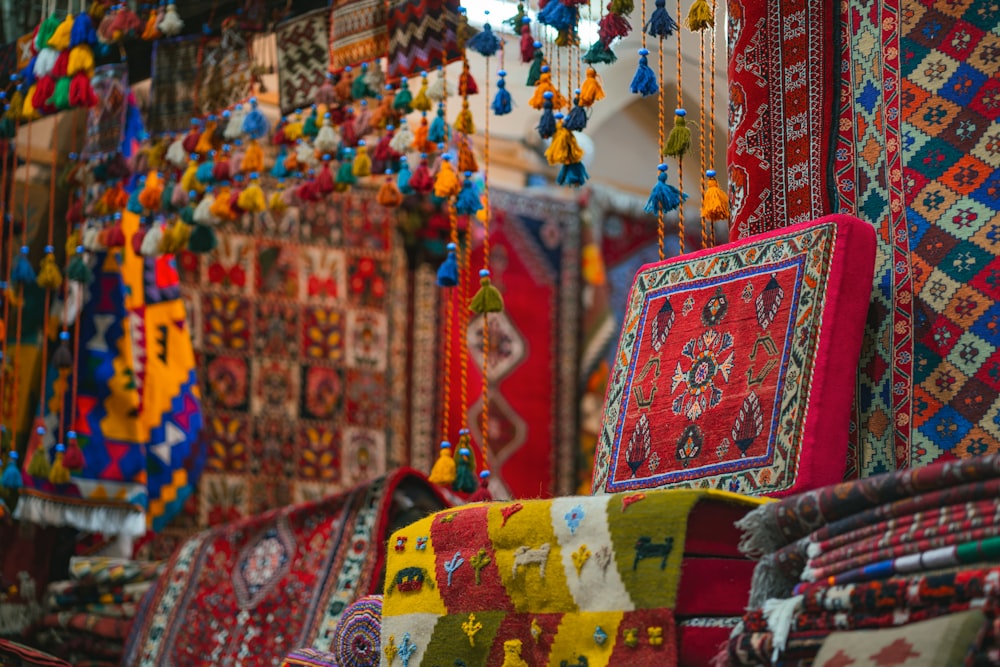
(375,77)
(611,27)
(44,90)
(486,43)
(151,31)
(83,31)
(253,159)
(644,81)
(679,141)
(572,175)
(660,24)
(443,472)
(46,29)
(664,197)
(599,54)
(73,459)
(389,194)
(252,198)
(576,119)
(564,149)
(439,132)
(255,124)
(700,17)
(422,181)
(537,63)
(206,139)
(488,299)
(62,358)
(545,85)
(11,478)
(547,123)
(49,276)
(221,208)
(171,24)
(343,85)
(206,170)
(446,184)
(439,90)
(465,479)
(715,202)
(502,102)
(78,271)
(152,192)
(22,273)
(403,177)
(421,102)
(621,7)
(81,93)
(482,494)
(362,165)
(58,473)
(277,203)
(447,276)
(359,86)
(466,158)
(466,84)
(421,142)
(403,101)
(464,122)
(38,466)
(558,16)
(527,41)
(345,174)
(202,240)
(591,90)
(326,138)
(467,202)
(60,99)
(62,36)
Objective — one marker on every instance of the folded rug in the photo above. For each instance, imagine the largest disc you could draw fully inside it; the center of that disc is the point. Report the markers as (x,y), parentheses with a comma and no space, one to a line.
(19,655)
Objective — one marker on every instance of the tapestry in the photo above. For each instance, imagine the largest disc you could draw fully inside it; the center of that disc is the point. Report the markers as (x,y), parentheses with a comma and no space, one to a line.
(106,121)
(358,32)
(252,590)
(783,88)
(423,35)
(585,580)
(735,365)
(293,326)
(535,263)
(303,45)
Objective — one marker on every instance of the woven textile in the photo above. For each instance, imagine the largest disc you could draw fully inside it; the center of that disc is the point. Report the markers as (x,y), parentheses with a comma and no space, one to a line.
(724,359)
(19,655)
(247,591)
(423,34)
(359,32)
(303,45)
(307,657)
(357,639)
(293,327)
(535,248)
(782,101)
(106,121)
(586,580)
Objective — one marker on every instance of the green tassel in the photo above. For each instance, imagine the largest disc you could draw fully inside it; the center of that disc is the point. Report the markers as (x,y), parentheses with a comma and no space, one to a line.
(45,31)
(679,140)
(535,70)
(202,240)
(78,270)
(345,173)
(621,7)
(60,96)
(599,54)
(359,87)
(465,474)
(403,100)
(488,299)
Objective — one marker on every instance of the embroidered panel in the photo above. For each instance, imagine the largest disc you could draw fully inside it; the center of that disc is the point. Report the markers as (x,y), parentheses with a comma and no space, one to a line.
(303,45)
(423,35)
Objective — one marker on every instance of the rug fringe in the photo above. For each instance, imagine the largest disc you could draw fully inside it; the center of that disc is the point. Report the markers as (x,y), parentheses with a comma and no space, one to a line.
(104,520)
(761,534)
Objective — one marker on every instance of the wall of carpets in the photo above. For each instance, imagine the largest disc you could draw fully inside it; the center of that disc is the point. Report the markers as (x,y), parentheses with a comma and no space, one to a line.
(913,150)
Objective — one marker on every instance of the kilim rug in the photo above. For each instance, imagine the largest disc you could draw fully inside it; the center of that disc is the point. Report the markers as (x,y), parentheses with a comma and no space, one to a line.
(303,45)
(423,34)
(106,121)
(293,327)
(782,107)
(359,33)
(255,589)
(535,263)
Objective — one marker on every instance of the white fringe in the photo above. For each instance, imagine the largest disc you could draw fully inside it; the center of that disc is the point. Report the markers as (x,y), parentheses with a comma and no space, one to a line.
(814,550)
(779,615)
(760,534)
(104,520)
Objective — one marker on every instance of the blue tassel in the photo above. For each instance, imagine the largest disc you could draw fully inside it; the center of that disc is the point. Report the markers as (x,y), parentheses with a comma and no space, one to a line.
(134,206)
(664,197)
(279,170)
(576,119)
(255,124)
(447,275)
(486,43)
(438,131)
(22,273)
(660,23)
(27,76)
(403,177)
(204,173)
(467,202)
(558,16)
(135,130)
(573,175)
(644,81)
(11,473)
(83,30)
(502,103)
(547,123)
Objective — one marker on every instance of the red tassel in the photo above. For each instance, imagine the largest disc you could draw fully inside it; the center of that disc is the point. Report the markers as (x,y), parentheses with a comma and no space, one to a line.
(81,93)
(137,238)
(482,494)
(421,180)
(74,215)
(220,170)
(613,26)
(73,458)
(466,84)
(324,180)
(348,132)
(383,151)
(115,237)
(527,44)
(59,70)
(43,91)
(234,203)
(190,142)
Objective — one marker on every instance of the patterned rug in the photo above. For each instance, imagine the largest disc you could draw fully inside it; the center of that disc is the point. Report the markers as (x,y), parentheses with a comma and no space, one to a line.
(106,121)
(359,32)
(535,263)
(423,34)
(253,590)
(303,45)
(782,108)
(293,328)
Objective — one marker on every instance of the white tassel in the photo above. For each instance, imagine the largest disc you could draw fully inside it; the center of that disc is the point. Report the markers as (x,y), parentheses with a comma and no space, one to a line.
(306,154)
(45,62)
(780,614)
(91,236)
(171,24)
(234,130)
(176,155)
(203,211)
(439,90)
(152,241)
(402,141)
(375,77)
(326,139)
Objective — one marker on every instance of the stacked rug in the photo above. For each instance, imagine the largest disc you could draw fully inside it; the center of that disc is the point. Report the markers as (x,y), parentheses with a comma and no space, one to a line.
(88,617)
(887,552)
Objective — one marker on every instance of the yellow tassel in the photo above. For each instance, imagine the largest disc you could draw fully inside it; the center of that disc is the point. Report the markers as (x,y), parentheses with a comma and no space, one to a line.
(277,203)
(16,106)
(591,90)
(154,156)
(362,165)
(592,265)
(543,86)
(58,473)
(443,472)
(205,140)
(81,59)
(14,297)
(60,37)
(49,276)
(39,466)
(189,180)
(220,207)
(176,238)
(72,241)
(420,101)
(253,159)
(151,32)
(563,149)
(715,203)
(700,16)
(252,198)
(464,123)
(446,184)
(28,111)
(293,131)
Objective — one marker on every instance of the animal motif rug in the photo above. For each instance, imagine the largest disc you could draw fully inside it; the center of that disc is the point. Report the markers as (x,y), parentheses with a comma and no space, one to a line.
(251,591)
(423,35)
(535,250)
(359,32)
(303,45)
(293,327)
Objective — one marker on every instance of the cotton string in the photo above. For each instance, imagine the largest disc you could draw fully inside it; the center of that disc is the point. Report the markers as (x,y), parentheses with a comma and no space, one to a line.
(7,145)
(20,308)
(711,111)
(48,293)
(680,160)
(660,214)
(701,133)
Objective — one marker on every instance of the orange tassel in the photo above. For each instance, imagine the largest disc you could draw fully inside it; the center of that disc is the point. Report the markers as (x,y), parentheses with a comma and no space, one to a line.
(151,32)
(420,142)
(253,159)
(389,194)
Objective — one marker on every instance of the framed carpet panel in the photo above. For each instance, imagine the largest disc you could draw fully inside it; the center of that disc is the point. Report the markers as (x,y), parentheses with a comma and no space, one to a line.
(423,34)
(736,365)
(359,32)
(303,45)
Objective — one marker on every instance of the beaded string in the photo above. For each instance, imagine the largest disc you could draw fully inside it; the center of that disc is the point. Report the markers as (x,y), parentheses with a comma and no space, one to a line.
(70,425)
(484,417)
(680,160)
(661,137)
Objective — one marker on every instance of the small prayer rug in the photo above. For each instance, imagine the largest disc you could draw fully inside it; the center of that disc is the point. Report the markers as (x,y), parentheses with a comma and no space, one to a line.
(303,45)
